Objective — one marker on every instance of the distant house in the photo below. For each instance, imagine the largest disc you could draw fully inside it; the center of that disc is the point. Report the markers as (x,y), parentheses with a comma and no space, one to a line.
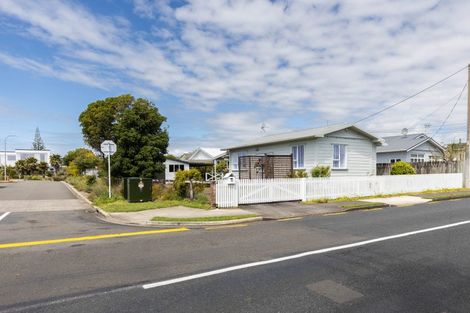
(22,154)
(346,149)
(412,148)
(203,156)
(172,165)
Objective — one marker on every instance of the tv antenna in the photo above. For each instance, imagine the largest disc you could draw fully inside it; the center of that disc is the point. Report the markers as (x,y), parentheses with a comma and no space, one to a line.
(263,127)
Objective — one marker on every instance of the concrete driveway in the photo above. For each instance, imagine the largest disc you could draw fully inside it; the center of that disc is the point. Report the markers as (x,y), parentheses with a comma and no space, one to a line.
(35,196)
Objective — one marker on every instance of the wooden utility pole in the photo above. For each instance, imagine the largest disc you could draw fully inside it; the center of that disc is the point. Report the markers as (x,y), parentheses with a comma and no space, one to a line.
(466,176)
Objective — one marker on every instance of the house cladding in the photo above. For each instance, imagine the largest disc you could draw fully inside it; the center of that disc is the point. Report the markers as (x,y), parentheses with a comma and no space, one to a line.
(359,151)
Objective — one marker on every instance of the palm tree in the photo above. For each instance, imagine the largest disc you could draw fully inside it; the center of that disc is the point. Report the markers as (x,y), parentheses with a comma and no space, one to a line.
(56,162)
(20,166)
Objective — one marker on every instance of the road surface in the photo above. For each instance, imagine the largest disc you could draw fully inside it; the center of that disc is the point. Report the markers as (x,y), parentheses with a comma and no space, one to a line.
(423,269)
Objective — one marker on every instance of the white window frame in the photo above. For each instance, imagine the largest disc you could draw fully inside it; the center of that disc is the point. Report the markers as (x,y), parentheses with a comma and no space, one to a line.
(417,157)
(295,157)
(345,163)
(235,159)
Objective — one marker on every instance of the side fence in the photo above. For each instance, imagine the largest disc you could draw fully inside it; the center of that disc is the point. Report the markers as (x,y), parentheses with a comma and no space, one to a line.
(250,191)
(433,167)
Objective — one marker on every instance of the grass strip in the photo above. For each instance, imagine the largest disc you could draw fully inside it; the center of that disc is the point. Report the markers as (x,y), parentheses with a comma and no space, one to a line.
(124,206)
(365,205)
(345,199)
(202,219)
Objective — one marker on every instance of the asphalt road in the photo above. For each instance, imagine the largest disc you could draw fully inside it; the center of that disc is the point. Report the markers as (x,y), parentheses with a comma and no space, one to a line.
(427,272)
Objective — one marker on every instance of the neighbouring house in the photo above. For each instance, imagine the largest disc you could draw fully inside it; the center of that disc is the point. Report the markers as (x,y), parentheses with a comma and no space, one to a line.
(22,154)
(205,160)
(456,151)
(346,149)
(412,148)
(203,156)
(172,165)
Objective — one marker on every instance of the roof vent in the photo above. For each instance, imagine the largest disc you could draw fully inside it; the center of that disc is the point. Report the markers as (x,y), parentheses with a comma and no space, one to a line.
(404,132)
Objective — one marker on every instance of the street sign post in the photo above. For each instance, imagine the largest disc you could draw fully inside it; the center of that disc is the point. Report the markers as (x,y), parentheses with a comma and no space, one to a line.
(108,147)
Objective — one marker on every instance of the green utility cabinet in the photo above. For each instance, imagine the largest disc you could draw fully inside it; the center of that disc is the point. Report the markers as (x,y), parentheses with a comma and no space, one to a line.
(137,189)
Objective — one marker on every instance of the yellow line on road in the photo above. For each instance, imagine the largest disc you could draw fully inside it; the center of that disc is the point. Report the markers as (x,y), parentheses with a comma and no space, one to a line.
(290,219)
(225,226)
(86,238)
(332,214)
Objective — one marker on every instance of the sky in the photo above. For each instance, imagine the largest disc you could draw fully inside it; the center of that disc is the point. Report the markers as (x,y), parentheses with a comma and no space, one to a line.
(219,70)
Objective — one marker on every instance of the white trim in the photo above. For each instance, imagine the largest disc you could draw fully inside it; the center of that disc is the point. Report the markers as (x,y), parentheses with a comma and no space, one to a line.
(345,167)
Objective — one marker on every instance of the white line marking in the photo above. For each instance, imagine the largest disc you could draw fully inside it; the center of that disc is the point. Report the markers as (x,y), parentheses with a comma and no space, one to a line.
(300,255)
(4,215)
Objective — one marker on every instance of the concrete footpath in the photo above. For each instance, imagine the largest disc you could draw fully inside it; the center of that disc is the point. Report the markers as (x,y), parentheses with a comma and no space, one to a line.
(144,217)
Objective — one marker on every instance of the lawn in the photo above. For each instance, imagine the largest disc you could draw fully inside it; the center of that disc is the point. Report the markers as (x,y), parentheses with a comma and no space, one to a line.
(124,206)
(202,219)
(423,193)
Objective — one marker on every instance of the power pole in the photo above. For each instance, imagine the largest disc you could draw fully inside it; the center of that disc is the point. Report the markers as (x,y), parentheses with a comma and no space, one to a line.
(466,180)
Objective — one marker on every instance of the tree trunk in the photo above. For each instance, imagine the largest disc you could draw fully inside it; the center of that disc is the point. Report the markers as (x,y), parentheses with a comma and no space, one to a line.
(191,191)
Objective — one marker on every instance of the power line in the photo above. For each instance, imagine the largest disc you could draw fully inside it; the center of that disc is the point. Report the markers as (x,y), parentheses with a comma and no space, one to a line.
(452,110)
(410,97)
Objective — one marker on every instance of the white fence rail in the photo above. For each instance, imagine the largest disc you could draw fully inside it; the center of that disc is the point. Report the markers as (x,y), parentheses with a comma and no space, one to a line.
(245,191)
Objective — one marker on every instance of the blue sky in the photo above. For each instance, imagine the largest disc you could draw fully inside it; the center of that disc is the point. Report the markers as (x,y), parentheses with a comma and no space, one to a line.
(220,69)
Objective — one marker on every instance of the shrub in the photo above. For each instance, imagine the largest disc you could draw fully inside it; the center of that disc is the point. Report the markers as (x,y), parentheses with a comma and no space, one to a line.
(193,177)
(90,180)
(402,168)
(35,177)
(321,171)
(58,178)
(158,190)
(299,174)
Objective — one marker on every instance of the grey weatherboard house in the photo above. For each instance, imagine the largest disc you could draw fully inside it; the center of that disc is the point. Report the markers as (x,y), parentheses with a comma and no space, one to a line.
(346,149)
(411,148)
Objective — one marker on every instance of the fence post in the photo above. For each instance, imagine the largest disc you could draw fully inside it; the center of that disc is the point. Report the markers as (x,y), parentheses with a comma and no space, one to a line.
(303,187)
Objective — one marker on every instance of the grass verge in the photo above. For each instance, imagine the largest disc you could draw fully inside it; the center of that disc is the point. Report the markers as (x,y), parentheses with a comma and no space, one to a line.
(202,219)
(361,206)
(345,199)
(124,206)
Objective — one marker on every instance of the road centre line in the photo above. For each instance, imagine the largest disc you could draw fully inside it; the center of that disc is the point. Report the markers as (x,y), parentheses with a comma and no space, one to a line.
(300,255)
(93,237)
(4,215)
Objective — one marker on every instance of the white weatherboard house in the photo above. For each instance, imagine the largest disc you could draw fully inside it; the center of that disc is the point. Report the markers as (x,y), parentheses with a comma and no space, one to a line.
(172,165)
(346,149)
(203,156)
(22,154)
(412,148)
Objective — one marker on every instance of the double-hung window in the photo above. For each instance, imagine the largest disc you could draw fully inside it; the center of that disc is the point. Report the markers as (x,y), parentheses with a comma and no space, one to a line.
(339,156)
(298,156)
(416,158)
(235,158)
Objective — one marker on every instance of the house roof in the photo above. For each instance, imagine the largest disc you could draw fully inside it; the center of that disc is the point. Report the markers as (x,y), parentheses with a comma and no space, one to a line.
(210,153)
(303,134)
(173,158)
(406,143)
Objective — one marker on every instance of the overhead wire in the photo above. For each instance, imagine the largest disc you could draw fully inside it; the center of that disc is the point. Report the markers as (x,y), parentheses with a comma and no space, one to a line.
(411,96)
(452,110)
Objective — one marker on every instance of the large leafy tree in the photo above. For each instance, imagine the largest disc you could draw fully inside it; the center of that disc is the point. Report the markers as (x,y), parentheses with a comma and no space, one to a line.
(141,140)
(100,118)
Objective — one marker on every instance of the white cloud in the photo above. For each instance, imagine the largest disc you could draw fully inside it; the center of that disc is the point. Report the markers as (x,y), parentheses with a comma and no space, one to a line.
(337,62)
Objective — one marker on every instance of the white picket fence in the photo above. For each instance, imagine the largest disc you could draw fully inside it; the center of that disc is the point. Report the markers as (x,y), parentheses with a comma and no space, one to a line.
(246,191)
